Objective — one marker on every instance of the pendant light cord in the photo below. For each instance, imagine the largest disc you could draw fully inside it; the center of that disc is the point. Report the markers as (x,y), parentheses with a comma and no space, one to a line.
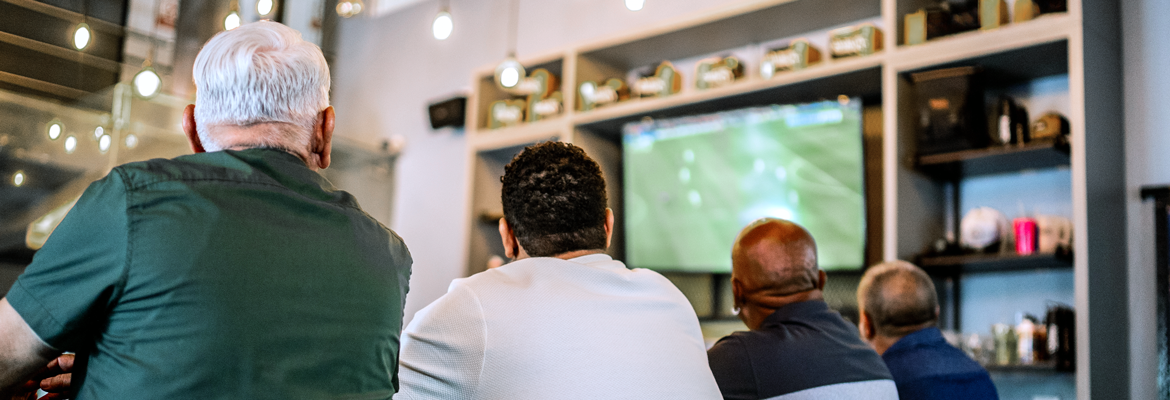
(513,27)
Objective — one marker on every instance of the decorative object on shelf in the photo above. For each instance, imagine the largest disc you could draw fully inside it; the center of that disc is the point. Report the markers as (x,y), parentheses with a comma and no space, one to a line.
(1052,6)
(503,113)
(1025,10)
(717,71)
(950,110)
(1049,126)
(1005,344)
(591,95)
(945,18)
(1011,123)
(797,54)
(984,229)
(1026,330)
(1025,235)
(993,14)
(1054,234)
(665,81)
(1062,343)
(857,40)
(543,99)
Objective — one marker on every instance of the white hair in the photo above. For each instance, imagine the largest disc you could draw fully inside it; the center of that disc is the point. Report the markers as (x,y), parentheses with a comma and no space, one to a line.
(262,72)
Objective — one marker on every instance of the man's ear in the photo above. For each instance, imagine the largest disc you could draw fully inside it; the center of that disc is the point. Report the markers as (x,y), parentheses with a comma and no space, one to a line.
(865,327)
(822,277)
(322,141)
(508,238)
(190,130)
(737,299)
(608,227)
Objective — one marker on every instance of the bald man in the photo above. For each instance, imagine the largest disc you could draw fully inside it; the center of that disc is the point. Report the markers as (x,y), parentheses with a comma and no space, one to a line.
(899,309)
(797,348)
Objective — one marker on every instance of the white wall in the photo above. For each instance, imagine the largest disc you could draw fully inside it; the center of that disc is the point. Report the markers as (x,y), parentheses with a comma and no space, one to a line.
(1147,153)
(389,67)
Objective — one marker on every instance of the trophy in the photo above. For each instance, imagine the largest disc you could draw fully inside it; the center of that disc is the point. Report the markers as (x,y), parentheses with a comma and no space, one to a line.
(664,82)
(1049,127)
(859,40)
(798,54)
(503,113)
(590,95)
(993,14)
(1025,10)
(541,92)
(716,71)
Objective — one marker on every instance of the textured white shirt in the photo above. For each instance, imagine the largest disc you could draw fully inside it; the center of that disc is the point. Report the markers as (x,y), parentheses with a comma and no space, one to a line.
(546,328)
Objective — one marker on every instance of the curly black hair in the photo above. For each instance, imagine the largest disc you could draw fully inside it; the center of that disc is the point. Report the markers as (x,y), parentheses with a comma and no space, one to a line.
(554,199)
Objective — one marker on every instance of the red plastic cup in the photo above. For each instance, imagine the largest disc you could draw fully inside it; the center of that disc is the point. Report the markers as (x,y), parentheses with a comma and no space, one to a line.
(1026,237)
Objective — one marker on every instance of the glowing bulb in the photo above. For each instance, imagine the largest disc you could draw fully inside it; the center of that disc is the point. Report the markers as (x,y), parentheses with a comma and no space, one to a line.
(131,141)
(635,5)
(442,26)
(104,143)
(147,83)
(55,130)
(98,132)
(18,178)
(231,21)
(81,36)
(509,73)
(70,144)
(349,8)
(509,77)
(264,7)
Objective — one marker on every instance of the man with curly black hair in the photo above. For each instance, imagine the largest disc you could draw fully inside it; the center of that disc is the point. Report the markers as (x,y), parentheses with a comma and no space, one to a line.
(563,320)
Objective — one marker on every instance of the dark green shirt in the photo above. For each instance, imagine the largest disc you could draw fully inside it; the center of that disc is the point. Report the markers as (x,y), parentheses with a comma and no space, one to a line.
(224,275)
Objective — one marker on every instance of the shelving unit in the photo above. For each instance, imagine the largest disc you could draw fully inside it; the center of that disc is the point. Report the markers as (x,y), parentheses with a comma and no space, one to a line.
(911,191)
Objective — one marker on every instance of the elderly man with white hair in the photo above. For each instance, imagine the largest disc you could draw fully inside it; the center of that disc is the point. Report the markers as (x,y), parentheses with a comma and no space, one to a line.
(236,272)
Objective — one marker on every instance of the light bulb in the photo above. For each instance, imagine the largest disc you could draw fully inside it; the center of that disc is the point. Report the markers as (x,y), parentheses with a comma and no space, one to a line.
(98,132)
(81,36)
(265,7)
(55,130)
(509,73)
(70,144)
(131,141)
(104,143)
(349,8)
(635,5)
(18,178)
(442,26)
(231,21)
(147,82)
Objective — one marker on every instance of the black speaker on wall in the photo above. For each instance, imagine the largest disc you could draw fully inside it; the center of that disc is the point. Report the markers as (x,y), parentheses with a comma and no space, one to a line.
(450,112)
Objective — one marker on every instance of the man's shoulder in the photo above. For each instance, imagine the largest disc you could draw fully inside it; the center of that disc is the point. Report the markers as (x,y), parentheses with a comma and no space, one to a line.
(202,166)
(930,360)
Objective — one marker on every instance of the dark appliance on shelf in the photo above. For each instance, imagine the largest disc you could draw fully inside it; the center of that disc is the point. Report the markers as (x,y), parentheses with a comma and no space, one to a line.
(950,110)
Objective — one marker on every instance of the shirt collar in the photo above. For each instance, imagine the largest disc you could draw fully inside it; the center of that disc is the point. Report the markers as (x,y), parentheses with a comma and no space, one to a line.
(922,336)
(590,259)
(795,311)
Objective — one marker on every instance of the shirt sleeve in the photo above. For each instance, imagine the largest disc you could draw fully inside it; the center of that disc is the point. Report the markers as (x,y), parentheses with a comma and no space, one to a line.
(732,369)
(74,279)
(443,348)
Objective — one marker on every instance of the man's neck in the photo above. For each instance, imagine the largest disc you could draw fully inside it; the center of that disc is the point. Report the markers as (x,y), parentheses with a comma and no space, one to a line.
(759,309)
(578,253)
(881,343)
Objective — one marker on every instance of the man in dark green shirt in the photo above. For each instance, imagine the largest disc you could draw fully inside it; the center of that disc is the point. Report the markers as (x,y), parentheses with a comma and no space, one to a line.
(237,272)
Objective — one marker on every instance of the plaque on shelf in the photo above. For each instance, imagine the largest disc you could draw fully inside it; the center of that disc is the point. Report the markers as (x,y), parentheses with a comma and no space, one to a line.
(1049,126)
(717,71)
(1025,10)
(993,14)
(590,95)
(950,110)
(665,81)
(797,54)
(503,113)
(859,40)
(926,24)
(542,87)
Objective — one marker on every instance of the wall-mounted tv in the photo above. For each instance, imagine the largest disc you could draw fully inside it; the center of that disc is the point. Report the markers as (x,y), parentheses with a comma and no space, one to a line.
(691,183)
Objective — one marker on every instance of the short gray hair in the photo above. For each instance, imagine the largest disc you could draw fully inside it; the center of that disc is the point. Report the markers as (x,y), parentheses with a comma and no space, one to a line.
(262,72)
(898,297)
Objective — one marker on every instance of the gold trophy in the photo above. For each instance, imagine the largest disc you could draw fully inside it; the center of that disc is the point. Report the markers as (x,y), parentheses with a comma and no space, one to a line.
(716,72)
(797,55)
(858,40)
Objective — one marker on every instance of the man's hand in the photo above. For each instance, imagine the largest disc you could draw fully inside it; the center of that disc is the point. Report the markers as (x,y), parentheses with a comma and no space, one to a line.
(54,378)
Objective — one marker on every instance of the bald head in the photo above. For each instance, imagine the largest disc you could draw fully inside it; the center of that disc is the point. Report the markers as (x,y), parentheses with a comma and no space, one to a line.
(774,257)
(898,298)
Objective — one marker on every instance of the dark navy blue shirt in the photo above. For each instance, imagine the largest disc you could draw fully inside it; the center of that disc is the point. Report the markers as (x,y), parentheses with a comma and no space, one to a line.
(800,347)
(926,367)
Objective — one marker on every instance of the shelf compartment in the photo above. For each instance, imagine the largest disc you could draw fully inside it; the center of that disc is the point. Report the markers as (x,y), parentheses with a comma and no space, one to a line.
(996,160)
(714,31)
(524,134)
(489,92)
(1029,50)
(969,263)
(854,77)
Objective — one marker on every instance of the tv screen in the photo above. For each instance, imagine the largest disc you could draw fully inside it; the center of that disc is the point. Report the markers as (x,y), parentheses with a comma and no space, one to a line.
(692,183)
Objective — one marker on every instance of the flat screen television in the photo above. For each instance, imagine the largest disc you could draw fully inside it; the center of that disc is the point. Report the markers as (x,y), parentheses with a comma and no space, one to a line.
(692,183)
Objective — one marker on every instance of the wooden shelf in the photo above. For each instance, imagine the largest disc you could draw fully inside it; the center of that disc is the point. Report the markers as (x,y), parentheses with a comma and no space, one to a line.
(1034,38)
(995,160)
(523,134)
(969,263)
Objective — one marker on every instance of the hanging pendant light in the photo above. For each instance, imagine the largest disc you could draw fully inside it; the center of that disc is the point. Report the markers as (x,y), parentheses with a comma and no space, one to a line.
(635,5)
(265,7)
(232,20)
(510,72)
(147,82)
(443,25)
(349,8)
